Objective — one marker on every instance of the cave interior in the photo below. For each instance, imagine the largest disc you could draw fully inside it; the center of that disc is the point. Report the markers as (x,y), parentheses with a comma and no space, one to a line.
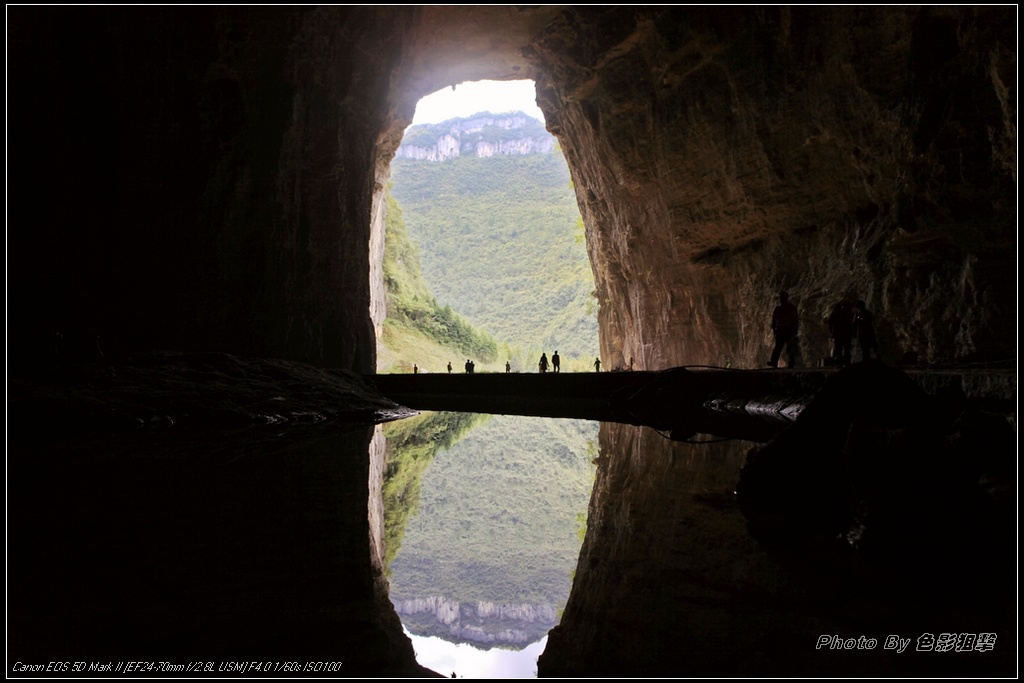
(210,179)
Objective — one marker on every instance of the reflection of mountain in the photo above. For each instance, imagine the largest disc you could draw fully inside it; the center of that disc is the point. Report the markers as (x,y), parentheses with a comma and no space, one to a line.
(496,532)
(478,622)
(411,446)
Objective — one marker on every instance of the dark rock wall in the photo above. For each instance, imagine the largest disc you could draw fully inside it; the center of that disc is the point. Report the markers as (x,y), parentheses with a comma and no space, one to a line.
(201,546)
(672,583)
(195,178)
(722,154)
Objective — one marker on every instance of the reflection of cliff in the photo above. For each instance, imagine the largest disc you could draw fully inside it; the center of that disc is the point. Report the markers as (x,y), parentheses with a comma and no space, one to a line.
(476,622)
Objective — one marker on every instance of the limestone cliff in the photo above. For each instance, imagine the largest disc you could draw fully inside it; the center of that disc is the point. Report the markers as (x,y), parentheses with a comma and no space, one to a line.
(476,621)
(483,135)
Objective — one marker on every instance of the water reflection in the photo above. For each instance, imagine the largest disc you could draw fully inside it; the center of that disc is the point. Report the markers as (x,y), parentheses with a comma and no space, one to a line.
(198,546)
(484,518)
(468,661)
(665,556)
(670,581)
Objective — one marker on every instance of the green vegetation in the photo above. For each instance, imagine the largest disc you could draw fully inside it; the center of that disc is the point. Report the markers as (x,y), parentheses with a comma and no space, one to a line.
(501,242)
(411,446)
(497,514)
(418,329)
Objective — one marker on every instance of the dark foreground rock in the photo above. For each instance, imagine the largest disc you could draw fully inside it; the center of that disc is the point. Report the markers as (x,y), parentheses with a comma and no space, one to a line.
(199,510)
(881,513)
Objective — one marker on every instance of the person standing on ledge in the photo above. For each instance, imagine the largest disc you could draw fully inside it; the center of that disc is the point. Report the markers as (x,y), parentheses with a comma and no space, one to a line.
(785,325)
(449,367)
(508,366)
(864,330)
(556,362)
(840,328)
(597,365)
(542,365)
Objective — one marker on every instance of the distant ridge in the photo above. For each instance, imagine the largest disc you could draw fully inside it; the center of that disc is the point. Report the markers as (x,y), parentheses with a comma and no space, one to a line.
(481,135)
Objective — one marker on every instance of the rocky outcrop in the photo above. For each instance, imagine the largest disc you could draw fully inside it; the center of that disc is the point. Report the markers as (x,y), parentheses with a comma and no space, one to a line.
(185,507)
(480,136)
(476,621)
(720,155)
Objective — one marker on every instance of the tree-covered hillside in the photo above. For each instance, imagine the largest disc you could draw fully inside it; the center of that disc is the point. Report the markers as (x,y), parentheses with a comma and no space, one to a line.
(411,446)
(496,516)
(418,330)
(502,244)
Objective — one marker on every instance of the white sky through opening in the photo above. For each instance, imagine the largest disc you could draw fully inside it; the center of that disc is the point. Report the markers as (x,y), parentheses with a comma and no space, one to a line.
(467,661)
(497,97)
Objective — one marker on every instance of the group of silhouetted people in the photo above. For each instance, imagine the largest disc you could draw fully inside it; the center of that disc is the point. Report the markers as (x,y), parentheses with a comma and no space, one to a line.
(846,321)
(556,363)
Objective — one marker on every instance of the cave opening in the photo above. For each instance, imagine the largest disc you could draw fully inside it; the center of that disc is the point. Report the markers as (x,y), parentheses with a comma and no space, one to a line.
(475,183)
(484,256)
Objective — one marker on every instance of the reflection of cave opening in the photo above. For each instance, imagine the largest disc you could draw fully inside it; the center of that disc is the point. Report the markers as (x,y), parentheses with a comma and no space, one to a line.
(484,517)
(484,255)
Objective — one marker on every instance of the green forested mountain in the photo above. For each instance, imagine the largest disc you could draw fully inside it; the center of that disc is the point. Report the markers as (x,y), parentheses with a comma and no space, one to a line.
(502,243)
(411,446)
(418,330)
(496,517)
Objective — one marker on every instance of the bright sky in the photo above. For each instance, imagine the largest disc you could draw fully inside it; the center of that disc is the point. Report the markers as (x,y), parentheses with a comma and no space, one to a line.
(467,661)
(497,97)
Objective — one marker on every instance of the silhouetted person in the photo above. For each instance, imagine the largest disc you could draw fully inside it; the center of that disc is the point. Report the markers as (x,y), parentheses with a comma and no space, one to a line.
(597,365)
(508,366)
(469,367)
(840,328)
(415,369)
(542,365)
(472,367)
(864,330)
(449,367)
(785,325)
(555,362)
